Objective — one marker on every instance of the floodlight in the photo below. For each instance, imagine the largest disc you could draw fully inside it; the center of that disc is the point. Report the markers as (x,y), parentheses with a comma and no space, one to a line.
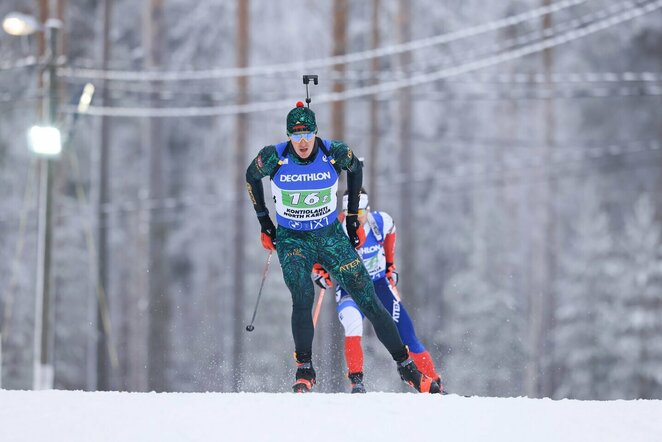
(19,24)
(45,140)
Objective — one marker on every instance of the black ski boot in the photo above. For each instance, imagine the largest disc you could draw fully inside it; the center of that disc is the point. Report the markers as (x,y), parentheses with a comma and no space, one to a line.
(305,376)
(357,382)
(410,374)
(441,385)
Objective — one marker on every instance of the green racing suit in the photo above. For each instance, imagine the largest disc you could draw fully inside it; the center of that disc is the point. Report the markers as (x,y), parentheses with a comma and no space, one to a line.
(298,250)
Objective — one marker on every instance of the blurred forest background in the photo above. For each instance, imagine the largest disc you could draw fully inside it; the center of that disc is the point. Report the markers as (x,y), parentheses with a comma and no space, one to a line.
(516,144)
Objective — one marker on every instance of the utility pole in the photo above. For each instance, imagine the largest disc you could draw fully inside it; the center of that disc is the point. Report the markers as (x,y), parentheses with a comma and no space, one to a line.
(243,15)
(43,336)
(45,141)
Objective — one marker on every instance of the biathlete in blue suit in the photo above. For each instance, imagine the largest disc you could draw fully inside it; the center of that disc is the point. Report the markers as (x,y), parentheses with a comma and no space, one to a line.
(378,255)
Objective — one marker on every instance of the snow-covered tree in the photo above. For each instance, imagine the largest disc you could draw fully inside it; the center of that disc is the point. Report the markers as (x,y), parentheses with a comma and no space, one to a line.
(484,320)
(585,293)
(638,344)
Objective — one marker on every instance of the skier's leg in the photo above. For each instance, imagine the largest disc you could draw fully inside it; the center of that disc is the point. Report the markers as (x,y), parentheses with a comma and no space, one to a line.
(405,326)
(344,264)
(399,314)
(297,255)
(351,319)
(352,322)
(425,364)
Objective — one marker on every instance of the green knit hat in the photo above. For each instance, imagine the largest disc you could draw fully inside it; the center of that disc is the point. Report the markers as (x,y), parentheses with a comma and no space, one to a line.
(301,119)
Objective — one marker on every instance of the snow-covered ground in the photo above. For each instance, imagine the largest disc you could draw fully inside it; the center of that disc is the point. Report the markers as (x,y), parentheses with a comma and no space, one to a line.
(257,417)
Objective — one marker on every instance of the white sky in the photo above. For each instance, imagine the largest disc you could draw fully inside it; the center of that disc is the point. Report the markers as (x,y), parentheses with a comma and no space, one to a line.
(257,417)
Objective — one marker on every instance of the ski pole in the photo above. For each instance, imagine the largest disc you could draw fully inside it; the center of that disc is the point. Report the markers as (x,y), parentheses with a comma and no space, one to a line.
(396,292)
(250,327)
(318,307)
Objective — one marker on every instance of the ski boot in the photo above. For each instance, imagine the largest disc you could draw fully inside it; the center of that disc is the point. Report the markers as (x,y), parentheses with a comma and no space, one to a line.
(441,385)
(410,374)
(305,376)
(357,382)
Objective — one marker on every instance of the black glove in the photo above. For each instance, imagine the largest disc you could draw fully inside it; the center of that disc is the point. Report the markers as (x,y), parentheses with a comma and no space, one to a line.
(391,274)
(321,276)
(268,235)
(354,231)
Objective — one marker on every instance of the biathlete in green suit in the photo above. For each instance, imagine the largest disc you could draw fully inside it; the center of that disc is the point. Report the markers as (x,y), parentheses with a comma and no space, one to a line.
(304,175)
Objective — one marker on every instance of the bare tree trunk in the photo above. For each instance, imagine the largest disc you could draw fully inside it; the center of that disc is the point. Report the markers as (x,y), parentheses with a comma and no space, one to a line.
(406,244)
(549,302)
(508,202)
(542,304)
(340,9)
(159,303)
(41,37)
(373,137)
(243,16)
(102,198)
(328,334)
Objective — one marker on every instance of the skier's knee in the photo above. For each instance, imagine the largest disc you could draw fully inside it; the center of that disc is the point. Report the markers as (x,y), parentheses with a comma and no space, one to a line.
(351,320)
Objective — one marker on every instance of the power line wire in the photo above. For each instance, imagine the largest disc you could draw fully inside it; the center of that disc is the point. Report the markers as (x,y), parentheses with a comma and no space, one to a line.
(380,88)
(26,62)
(121,91)
(457,177)
(496,92)
(365,75)
(540,94)
(517,176)
(546,43)
(500,169)
(213,93)
(322,62)
(562,77)
(537,34)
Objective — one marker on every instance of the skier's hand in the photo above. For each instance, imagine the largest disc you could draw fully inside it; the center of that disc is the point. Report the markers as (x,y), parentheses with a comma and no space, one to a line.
(321,276)
(391,274)
(354,230)
(268,235)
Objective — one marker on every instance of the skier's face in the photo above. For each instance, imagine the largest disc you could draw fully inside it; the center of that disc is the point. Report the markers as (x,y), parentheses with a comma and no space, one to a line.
(363,216)
(303,147)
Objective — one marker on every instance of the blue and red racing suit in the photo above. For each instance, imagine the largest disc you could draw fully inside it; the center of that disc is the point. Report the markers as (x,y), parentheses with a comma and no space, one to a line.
(379,245)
